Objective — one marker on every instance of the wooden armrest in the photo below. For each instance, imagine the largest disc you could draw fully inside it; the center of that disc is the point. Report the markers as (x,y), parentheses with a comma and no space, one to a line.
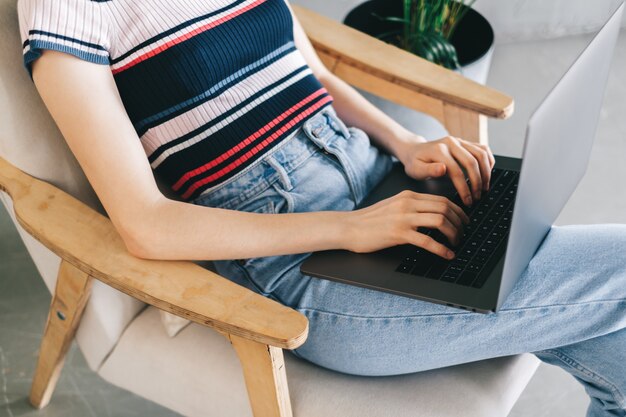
(364,61)
(87,240)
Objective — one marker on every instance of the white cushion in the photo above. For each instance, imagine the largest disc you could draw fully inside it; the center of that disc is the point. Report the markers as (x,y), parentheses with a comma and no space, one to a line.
(197,373)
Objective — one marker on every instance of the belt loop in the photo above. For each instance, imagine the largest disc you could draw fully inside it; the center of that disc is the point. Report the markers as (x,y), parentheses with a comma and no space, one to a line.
(283,175)
(336,122)
(314,124)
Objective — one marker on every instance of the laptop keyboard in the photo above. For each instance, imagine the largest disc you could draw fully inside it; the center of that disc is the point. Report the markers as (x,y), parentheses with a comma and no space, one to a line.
(483,241)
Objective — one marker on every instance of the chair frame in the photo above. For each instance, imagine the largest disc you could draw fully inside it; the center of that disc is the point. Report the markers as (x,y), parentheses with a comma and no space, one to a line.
(257,327)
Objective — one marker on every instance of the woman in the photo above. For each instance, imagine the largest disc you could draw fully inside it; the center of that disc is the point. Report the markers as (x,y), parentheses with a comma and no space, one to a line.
(228,104)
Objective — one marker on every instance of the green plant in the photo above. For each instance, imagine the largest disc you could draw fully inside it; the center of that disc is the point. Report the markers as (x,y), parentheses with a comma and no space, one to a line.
(427,26)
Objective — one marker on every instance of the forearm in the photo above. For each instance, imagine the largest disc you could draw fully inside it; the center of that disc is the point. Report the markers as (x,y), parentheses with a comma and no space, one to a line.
(176,230)
(352,107)
(356,111)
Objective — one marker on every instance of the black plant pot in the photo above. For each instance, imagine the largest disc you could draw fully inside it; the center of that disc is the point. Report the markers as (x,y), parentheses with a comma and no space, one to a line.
(473,40)
(473,37)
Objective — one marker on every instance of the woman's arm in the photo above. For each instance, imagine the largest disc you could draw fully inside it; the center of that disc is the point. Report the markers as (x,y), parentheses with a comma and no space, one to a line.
(421,159)
(351,106)
(83,99)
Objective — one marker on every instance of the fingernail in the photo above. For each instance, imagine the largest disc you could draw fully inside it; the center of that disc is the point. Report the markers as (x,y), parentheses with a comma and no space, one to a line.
(450,254)
(468,200)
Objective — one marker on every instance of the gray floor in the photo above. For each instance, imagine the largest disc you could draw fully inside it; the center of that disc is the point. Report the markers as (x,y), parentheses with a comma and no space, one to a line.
(524,70)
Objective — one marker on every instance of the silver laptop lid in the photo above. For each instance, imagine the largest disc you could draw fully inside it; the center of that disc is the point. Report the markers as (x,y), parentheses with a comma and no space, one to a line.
(558,143)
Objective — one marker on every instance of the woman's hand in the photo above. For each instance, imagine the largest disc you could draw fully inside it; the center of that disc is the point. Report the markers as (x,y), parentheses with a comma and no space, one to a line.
(394,221)
(448,156)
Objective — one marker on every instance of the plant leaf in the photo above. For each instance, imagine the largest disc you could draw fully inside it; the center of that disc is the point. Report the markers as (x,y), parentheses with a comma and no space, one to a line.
(427,26)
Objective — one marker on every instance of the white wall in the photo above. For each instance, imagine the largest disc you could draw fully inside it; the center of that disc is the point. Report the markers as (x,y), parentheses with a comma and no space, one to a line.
(514,19)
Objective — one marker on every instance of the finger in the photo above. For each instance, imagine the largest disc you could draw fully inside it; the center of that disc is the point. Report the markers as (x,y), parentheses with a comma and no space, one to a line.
(431,245)
(458,179)
(486,148)
(439,207)
(421,170)
(439,222)
(484,163)
(469,162)
(432,197)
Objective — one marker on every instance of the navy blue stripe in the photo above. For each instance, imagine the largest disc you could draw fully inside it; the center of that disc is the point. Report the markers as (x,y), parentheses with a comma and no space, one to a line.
(192,67)
(67,38)
(235,171)
(173,30)
(228,136)
(142,128)
(37,46)
(225,115)
(211,147)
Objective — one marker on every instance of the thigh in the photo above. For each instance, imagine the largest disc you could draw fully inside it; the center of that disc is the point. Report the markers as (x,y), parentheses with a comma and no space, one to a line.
(573,289)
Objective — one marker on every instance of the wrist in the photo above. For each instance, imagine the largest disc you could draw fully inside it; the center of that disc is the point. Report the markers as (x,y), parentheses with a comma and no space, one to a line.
(344,229)
(404,145)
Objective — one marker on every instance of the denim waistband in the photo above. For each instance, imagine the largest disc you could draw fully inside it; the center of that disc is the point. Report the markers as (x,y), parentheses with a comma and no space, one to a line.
(314,136)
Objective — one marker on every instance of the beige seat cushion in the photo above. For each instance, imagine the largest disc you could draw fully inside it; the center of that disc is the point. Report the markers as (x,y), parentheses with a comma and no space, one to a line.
(198,374)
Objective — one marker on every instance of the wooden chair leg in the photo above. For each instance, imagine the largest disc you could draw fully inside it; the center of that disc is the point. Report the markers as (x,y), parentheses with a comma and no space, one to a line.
(465,124)
(266,379)
(72,291)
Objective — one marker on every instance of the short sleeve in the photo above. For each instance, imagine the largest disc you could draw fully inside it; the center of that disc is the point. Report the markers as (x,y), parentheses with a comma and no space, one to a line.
(76,27)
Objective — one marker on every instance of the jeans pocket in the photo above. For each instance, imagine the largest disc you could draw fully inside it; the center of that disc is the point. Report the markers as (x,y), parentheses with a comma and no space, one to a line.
(368,163)
(363,164)
(261,204)
(273,200)
(243,271)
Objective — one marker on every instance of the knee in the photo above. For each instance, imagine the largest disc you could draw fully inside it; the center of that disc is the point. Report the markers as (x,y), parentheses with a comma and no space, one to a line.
(600,249)
(593,242)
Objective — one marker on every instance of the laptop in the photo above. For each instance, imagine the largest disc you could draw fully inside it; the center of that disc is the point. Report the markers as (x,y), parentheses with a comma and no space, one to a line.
(509,223)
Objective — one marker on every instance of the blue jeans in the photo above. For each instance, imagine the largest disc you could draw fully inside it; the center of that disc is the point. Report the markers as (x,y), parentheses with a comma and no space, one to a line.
(568,308)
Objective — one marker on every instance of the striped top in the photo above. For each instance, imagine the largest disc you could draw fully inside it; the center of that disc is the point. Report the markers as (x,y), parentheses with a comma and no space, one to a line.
(209,85)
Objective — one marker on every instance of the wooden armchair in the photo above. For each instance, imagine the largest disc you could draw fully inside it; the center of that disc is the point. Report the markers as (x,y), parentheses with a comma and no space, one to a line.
(258,328)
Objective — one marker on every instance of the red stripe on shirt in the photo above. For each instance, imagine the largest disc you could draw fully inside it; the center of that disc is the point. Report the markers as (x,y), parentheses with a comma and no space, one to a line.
(186,36)
(256,149)
(247,140)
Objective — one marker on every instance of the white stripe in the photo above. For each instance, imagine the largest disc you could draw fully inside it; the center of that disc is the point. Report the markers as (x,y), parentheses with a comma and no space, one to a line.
(214,108)
(166,25)
(74,45)
(195,139)
(137,23)
(78,19)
